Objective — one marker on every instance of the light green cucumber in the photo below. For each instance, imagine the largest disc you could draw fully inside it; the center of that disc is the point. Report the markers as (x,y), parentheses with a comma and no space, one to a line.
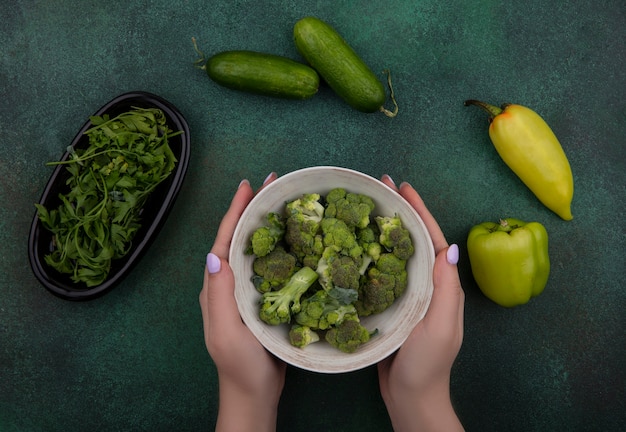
(261,73)
(342,69)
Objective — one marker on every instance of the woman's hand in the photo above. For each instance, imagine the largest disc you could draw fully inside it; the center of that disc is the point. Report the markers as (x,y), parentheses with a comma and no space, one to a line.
(415,381)
(251,380)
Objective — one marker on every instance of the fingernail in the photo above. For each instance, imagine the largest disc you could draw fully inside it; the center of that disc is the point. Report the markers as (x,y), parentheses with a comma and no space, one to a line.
(244,181)
(405,183)
(388,177)
(268,178)
(452,255)
(213,263)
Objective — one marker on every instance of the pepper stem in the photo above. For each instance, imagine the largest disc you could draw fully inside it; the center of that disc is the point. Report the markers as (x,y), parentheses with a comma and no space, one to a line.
(491,109)
(505,226)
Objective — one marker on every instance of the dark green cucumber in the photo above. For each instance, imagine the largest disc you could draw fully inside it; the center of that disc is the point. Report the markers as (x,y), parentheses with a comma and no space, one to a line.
(337,63)
(261,73)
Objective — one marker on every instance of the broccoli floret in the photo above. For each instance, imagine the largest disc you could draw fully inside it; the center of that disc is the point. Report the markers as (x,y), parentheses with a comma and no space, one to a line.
(273,270)
(348,336)
(327,308)
(301,336)
(278,306)
(368,239)
(308,205)
(394,237)
(344,272)
(265,238)
(302,232)
(337,270)
(382,284)
(354,209)
(338,236)
(304,240)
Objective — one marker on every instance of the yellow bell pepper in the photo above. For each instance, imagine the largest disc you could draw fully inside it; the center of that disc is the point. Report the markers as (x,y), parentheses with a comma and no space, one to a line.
(529,147)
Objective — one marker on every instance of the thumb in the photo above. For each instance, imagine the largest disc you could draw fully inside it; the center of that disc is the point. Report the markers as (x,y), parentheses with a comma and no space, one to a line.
(447,303)
(217,298)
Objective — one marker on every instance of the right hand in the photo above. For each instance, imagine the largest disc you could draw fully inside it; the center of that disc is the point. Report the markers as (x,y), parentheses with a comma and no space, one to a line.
(415,381)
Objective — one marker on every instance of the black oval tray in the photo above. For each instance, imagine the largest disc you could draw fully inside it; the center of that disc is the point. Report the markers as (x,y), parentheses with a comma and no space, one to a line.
(153,215)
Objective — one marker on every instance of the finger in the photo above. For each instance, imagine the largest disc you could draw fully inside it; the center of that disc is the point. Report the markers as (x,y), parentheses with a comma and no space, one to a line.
(242,197)
(270,178)
(447,304)
(204,301)
(217,301)
(217,295)
(386,179)
(409,194)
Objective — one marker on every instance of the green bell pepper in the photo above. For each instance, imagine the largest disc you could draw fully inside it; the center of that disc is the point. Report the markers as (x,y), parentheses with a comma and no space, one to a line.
(509,260)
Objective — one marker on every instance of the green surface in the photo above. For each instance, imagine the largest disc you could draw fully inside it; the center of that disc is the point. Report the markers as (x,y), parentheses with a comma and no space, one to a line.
(135,358)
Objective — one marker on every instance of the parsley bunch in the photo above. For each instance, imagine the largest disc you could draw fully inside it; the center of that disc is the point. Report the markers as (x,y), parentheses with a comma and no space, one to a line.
(110,180)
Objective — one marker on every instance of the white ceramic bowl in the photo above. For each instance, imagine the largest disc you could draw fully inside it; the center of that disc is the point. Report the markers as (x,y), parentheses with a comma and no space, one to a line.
(394,325)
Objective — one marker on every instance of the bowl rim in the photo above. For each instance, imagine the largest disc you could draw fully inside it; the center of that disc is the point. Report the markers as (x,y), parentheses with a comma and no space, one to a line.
(60,285)
(348,362)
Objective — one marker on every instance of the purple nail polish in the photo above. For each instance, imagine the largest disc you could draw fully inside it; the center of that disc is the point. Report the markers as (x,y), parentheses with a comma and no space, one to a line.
(213,263)
(452,255)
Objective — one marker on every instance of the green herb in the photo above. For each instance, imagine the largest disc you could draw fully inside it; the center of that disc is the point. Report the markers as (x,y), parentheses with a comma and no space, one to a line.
(110,181)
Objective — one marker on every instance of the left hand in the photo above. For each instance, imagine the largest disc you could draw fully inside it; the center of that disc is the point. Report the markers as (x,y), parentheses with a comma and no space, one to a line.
(251,380)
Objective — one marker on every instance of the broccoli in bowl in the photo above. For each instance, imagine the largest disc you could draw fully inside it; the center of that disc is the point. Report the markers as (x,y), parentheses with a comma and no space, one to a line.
(323,262)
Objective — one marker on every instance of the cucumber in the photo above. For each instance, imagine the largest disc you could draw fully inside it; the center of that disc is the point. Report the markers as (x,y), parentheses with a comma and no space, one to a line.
(342,69)
(264,74)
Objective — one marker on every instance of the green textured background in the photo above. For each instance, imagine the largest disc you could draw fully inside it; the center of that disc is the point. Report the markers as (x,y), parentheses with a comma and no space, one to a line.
(135,358)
